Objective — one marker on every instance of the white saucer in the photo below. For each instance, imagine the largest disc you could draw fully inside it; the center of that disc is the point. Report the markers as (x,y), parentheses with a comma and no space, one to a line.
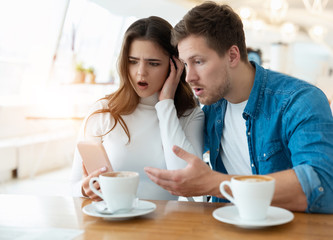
(275,216)
(146,207)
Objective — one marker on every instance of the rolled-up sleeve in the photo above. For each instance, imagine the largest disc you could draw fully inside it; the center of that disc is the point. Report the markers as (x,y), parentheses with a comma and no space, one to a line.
(310,127)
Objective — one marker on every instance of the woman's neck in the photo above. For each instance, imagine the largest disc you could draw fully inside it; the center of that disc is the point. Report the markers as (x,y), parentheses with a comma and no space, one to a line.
(151,100)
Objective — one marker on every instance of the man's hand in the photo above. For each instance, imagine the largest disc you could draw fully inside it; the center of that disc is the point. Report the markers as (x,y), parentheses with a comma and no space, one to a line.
(196,179)
(170,85)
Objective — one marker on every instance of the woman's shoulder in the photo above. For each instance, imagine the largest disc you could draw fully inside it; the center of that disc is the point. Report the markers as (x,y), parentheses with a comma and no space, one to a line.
(100,104)
(195,112)
(95,110)
(98,123)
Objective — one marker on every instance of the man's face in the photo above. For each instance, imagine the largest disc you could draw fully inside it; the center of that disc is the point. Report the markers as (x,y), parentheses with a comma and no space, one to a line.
(206,71)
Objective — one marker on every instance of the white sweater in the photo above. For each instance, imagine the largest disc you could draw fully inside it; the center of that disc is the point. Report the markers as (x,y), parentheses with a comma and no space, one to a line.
(154,128)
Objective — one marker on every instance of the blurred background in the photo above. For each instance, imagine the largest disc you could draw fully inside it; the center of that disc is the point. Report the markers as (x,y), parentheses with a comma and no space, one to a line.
(59,56)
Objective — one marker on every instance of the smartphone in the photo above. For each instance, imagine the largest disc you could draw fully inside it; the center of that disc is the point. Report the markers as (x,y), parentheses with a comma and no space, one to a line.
(93,156)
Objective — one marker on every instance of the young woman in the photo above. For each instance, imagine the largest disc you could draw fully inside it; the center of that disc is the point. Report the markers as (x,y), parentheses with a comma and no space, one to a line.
(153,109)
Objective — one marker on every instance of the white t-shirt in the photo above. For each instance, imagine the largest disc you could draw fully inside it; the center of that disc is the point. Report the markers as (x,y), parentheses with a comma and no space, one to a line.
(154,128)
(235,150)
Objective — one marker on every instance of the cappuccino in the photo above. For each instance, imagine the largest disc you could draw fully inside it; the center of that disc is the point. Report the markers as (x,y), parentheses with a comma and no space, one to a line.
(120,174)
(254,178)
(252,195)
(118,189)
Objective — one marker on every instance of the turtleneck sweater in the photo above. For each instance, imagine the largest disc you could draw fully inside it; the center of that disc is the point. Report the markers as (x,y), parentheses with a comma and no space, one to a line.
(154,128)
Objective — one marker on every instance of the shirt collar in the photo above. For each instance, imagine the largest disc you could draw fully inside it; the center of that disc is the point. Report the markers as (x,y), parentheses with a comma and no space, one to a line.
(256,95)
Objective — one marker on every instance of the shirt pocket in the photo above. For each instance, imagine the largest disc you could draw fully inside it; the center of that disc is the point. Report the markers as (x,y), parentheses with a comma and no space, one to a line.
(272,158)
(269,150)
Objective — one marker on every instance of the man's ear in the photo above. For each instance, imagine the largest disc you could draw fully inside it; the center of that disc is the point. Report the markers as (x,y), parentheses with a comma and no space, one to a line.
(234,56)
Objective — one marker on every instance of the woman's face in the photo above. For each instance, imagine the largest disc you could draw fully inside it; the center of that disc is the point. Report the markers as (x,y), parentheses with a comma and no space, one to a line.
(148,67)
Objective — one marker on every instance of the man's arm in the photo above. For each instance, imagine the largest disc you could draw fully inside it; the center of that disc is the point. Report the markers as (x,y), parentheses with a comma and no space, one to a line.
(288,191)
(198,179)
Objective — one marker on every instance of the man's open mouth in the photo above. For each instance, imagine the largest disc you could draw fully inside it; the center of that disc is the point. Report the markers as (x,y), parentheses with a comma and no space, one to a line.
(198,91)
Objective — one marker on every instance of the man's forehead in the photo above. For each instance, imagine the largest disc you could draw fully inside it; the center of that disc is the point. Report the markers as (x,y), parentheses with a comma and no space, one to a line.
(190,46)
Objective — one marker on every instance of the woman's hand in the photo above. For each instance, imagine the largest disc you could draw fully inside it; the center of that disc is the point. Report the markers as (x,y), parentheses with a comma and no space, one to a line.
(170,85)
(86,191)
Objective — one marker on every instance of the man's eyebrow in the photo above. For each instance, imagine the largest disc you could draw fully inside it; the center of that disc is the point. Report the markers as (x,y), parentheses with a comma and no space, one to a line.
(191,57)
(146,59)
(194,56)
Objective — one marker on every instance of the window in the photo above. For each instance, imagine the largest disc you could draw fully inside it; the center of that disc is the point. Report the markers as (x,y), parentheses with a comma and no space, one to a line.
(42,41)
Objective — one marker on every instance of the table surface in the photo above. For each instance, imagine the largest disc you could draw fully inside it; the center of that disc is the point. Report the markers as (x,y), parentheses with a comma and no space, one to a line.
(170,220)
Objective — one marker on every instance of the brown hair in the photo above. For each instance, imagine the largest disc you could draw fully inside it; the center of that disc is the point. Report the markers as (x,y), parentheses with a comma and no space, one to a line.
(218,24)
(125,100)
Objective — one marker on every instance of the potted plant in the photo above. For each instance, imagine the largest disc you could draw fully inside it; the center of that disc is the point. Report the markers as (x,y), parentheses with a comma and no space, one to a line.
(80,73)
(90,75)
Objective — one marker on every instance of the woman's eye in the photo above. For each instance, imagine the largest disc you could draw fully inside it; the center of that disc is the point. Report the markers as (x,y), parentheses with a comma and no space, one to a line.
(132,61)
(154,64)
(198,62)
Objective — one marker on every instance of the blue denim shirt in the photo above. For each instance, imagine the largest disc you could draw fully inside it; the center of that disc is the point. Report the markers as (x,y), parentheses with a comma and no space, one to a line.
(289,125)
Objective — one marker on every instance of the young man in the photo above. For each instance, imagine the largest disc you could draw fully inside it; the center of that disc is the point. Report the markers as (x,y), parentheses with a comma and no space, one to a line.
(257,121)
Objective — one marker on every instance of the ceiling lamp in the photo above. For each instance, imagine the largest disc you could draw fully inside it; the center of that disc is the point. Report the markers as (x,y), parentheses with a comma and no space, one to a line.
(317,33)
(315,6)
(245,13)
(277,10)
(288,31)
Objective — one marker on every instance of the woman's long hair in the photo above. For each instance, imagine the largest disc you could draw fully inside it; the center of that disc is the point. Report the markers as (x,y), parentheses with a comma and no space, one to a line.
(124,100)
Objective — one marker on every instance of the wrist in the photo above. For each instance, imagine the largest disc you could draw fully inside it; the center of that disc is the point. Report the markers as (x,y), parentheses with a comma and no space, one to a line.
(83,192)
(218,179)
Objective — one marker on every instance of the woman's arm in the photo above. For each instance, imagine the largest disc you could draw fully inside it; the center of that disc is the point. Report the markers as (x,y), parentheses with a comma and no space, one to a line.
(186,132)
(90,128)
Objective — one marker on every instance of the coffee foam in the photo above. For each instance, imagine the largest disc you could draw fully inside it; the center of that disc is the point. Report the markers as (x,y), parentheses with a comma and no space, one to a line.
(253,178)
(120,174)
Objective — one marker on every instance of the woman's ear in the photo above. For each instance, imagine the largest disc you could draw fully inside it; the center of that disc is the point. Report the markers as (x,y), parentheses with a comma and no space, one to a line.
(234,56)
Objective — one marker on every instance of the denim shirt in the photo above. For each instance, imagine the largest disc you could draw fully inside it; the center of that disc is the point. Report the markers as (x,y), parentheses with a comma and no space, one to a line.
(289,125)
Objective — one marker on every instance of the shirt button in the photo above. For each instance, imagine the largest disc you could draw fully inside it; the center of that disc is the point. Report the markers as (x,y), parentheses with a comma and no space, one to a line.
(248,133)
(218,121)
(321,189)
(264,154)
(252,165)
(217,149)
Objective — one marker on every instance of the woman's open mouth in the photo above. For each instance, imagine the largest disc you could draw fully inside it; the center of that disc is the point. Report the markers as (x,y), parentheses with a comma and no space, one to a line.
(142,85)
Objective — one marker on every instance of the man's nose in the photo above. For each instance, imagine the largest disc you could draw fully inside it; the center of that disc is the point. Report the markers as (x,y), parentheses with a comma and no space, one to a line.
(191,75)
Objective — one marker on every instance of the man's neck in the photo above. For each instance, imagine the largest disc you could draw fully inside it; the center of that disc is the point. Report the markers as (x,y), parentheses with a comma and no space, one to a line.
(242,79)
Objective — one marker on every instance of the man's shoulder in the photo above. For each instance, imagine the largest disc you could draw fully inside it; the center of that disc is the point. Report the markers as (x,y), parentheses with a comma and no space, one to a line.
(280,82)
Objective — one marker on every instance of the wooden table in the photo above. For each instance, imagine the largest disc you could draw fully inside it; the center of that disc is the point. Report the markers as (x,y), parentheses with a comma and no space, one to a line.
(171,220)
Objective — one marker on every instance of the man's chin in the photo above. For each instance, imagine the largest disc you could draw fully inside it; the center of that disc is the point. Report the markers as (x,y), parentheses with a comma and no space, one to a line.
(205,101)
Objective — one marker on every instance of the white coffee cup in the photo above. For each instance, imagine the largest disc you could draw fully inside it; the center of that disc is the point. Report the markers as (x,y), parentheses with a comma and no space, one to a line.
(118,189)
(252,195)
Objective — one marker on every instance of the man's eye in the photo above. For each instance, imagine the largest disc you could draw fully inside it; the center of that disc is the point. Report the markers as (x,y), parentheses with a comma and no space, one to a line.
(197,62)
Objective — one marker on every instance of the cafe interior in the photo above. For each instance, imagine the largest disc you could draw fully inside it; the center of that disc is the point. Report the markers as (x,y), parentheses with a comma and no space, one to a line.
(57,57)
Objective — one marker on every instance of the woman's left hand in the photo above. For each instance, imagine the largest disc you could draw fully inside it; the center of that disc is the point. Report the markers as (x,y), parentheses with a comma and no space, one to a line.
(170,85)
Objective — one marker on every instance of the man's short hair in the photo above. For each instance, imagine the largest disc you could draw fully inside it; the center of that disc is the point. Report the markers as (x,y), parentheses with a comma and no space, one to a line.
(218,24)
